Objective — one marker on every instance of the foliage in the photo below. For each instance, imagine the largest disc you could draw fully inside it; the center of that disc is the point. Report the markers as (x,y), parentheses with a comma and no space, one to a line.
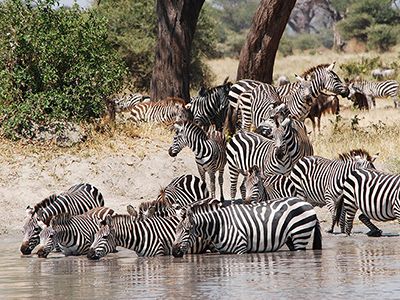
(132,28)
(57,64)
(305,42)
(381,37)
(371,21)
(363,67)
(286,45)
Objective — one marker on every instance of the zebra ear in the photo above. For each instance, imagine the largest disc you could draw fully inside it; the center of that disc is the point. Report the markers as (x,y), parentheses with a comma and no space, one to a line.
(40,214)
(132,211)
(188,106)
(29,211)
(330,68)
(108,220)
(298,78)
(178,127)
(374,157)
(42,225)
(286,121)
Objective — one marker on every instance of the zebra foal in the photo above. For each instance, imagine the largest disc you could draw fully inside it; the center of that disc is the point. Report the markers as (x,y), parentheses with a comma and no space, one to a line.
(248,228)
(209,150)
(76,200)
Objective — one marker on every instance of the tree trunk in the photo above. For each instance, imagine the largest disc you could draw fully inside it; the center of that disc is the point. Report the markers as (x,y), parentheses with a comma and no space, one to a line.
(257,57)
(176,21)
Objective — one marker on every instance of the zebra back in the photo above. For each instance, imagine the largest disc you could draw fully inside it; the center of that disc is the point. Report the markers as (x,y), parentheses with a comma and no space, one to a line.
(248,228)
(376,194)
(127,102)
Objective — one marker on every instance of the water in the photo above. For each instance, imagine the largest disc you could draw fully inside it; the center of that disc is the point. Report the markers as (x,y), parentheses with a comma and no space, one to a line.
(355,267)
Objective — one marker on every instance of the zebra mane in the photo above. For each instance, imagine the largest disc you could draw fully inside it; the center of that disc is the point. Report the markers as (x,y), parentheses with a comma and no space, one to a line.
(313,69)
(203,92)
(160,203)
(183,122)
(59,219)
(44,203)
(205,203)
(354,153)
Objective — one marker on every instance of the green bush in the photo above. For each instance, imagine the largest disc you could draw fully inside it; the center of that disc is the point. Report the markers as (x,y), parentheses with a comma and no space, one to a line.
(306,41)
(363,67)
(285,46)
(56,64)
(381,37)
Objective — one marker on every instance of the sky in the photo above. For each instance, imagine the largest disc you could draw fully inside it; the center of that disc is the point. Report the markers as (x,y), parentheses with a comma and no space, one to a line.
(83,3)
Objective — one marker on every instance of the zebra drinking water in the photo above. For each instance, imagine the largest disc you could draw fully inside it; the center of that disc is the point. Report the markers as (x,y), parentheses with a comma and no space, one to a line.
(147,237)
(209,150)
(248,228)
(376,194)
(320,180)
(74,234)
(76,200)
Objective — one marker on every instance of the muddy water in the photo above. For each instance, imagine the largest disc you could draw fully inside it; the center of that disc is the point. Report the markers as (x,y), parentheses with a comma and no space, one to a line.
(355,267)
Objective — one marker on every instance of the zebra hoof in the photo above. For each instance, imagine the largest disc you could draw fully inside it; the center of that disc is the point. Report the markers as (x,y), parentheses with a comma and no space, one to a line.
(375,233)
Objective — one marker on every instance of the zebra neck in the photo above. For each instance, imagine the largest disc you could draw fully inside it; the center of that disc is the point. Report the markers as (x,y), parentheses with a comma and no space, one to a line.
(197,142)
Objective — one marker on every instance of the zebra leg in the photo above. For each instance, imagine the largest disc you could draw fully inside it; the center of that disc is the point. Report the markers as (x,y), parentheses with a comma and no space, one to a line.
(233,177)
(221,183)
(396,102)
(289,244)
(212,182)
(374,231)
(202,173)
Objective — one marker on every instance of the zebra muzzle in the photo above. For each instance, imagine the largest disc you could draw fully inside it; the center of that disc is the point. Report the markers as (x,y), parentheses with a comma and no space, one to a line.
(42,253)
(25,249)
(177,251)
(171,153)
(93,254)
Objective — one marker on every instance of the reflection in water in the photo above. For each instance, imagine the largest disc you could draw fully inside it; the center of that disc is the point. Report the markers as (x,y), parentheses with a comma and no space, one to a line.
(347,267)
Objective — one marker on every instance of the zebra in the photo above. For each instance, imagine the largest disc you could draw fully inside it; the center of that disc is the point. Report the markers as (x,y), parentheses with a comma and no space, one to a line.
(147,237)
(210,106)
(372,90)
(282,80)
(181,191)
(320,180)
(74,234)
(255,189)
(322,77)
(126,103)
(297,141)
(209,149)
(76,200)
(247,149)
(376,194)
(164,111)
(249,228)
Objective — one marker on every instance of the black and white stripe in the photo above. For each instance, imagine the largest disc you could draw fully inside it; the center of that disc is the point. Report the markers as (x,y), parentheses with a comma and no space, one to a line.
(373,89)
(209,107)
(376,194)
(247,149)
(127,102)
(209,150)
(74,234)
(320,180)
(249,228)
(164,111)
(147,237)
(256,189)
(76,200)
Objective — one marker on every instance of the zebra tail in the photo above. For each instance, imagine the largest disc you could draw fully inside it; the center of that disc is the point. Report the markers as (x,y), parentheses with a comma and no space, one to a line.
(317,242)
(339,207)
(231,119)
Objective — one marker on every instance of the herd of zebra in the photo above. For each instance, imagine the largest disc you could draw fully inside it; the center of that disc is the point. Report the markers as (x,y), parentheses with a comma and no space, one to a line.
(282,179)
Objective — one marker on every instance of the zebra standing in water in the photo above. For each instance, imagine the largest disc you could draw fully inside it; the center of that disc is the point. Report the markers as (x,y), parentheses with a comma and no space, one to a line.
(245,228)
(147,237)
(320,180)
(255,189)
(376,194)
(247,149)
(210,106)
(372,90)
(76,200)
(209,150)
(164,111)
(74,234)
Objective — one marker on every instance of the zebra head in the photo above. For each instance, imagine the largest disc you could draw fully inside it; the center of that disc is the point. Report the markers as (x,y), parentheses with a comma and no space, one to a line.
(180,139)
(252,187)
(333,82)
(305,89)
(352,90)
(184,234)
(48,240)
(104,240)
(31,232)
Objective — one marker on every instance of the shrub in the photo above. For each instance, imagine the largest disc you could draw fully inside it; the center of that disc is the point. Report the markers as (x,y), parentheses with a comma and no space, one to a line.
(381,37)
(57,64)
(305,42)
(285,46)
(363,67)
